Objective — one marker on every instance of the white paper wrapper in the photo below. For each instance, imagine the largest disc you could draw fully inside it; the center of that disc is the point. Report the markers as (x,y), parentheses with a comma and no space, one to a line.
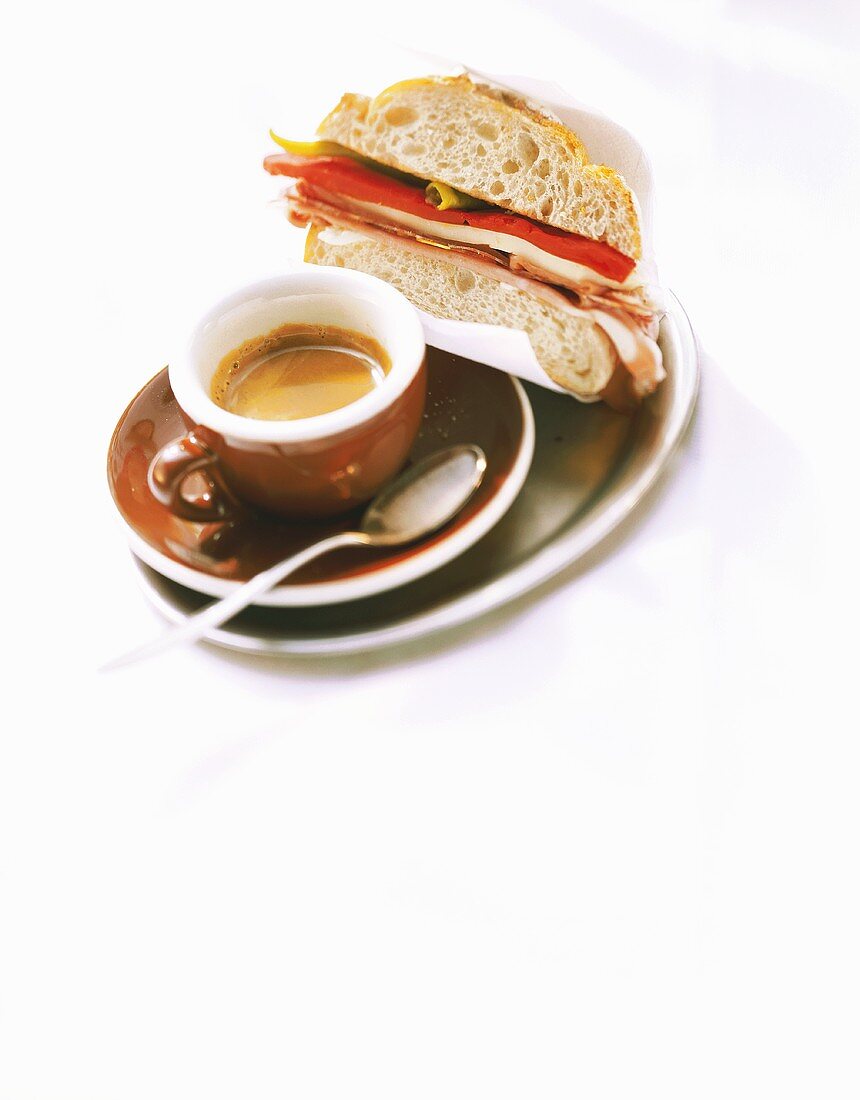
(607,143)
(508,349)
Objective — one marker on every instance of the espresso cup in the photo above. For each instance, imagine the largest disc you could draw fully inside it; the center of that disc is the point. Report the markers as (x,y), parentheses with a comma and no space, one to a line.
(313,467)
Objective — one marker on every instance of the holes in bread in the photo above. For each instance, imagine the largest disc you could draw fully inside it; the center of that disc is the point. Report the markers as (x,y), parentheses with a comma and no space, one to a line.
(577,188)
(510,166)
(400,116)
(414,149)
(527,148)
(487,130)
(546,206)
(480,151)
(542,168)
(464,281)
(497,187)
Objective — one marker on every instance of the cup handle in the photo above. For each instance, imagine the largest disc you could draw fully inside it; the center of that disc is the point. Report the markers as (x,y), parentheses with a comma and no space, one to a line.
(173,464)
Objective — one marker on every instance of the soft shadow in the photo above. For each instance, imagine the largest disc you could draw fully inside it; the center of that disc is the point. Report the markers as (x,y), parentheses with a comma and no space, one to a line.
(735,479)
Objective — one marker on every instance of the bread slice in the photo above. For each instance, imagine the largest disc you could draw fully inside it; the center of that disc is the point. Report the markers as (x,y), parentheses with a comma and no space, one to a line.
(493,146)
(573,350)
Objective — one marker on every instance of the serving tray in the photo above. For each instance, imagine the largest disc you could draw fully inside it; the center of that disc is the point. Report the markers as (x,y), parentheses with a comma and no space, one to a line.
(591,469)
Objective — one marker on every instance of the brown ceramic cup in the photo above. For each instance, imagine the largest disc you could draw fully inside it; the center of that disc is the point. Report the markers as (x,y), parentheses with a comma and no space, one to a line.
(314,467)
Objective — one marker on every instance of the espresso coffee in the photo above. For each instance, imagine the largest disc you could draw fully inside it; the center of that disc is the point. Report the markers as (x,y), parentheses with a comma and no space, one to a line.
(299,370)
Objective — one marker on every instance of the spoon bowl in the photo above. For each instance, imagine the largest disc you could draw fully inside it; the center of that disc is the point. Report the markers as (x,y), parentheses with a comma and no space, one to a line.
(425,496)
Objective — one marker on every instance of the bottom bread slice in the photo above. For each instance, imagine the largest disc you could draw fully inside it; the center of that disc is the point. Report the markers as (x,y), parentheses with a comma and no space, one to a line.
(573,351)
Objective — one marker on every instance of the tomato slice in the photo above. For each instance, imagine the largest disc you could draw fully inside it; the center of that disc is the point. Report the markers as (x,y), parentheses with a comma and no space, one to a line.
(342,175)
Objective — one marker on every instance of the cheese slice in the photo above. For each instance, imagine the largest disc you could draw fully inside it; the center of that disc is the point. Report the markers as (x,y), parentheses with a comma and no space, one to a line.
(503,242)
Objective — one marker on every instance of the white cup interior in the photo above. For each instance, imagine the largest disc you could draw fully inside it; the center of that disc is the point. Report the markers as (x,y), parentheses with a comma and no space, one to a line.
(328,296)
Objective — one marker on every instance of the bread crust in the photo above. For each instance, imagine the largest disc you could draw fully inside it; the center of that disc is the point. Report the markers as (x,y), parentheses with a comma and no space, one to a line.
(573,350)
(494,146)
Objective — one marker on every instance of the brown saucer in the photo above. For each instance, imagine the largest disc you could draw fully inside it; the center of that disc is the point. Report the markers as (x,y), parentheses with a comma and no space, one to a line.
(466,403)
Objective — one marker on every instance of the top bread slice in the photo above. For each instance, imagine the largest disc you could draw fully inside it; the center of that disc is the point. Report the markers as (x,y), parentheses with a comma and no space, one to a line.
(491,145)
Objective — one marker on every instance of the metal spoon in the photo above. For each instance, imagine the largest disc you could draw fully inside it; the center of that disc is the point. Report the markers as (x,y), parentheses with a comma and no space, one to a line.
(420,501)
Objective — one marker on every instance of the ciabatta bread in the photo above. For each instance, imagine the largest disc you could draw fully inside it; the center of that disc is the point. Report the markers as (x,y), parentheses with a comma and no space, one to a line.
(494,147)
(572,350)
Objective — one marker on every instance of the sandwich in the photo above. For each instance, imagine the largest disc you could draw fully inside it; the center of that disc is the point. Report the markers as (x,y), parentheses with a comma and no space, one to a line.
(481,207)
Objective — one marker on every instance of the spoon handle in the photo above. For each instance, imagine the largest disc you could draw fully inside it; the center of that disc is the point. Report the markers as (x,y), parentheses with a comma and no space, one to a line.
(219,611)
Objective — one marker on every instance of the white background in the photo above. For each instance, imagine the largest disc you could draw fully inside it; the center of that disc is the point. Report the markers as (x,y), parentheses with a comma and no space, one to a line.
(602,845)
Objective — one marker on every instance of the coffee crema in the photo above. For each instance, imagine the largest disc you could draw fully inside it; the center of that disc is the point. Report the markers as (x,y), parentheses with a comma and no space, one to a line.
(297,371)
